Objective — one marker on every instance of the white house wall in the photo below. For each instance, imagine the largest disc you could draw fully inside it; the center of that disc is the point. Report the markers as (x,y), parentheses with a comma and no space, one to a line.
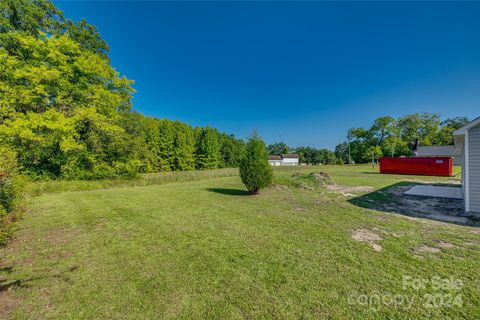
(290,161)
(474,169)
(275,163)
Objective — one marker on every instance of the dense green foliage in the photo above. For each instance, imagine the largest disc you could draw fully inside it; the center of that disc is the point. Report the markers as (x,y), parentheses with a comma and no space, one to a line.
(394,137)
(255,171)
(386,137)
(307,155)
(277,148)
(315,156)
(207,148)
(10,191)
(8,170)
(68,114)
(231,150)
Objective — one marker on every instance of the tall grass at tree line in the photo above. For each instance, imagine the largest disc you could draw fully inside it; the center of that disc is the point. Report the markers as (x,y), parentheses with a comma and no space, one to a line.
(56,186)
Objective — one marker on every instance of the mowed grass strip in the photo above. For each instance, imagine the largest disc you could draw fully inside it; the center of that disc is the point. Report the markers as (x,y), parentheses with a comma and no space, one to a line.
(205,249)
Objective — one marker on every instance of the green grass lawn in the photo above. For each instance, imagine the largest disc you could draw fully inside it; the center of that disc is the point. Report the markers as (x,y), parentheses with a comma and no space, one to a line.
(203,249)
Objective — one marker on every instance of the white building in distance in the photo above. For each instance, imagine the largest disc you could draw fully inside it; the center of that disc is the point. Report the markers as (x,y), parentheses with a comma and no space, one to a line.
(284,160)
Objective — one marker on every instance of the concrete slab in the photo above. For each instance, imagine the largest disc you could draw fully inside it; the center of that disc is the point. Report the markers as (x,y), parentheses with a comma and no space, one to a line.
(436,191)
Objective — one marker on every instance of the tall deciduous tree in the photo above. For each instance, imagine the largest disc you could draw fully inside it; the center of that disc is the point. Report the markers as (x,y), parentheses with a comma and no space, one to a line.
(166,155)
(314,156)
(395,136)
(374,153)
(278,148)
(66,113)
(184,147)
(30,16)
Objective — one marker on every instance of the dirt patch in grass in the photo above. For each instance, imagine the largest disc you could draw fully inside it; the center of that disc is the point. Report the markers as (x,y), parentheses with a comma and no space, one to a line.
(8,300)
(425,249)
(444,244)
(368,236)
(280,187)
(61,236)
(8,303)
(14,283)
(391,233)
(347,190)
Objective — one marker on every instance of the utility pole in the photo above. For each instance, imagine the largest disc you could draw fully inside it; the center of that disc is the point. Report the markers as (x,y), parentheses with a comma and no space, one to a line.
(349,137)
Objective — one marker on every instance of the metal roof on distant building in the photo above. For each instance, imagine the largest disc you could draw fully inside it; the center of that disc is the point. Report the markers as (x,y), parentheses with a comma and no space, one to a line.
(274,158)
(436,151)
(290,155)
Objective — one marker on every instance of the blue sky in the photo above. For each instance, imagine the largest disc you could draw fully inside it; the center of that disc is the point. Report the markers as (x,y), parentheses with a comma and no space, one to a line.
(299,72)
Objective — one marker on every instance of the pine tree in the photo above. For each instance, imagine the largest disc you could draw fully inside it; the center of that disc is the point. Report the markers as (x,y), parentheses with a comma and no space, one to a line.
(152,134)
(165,145)
(207,148)
(255,171)
(184,147)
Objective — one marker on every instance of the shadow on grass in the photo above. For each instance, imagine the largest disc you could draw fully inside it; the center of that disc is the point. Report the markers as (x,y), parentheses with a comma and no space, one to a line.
(6,269)
(230,192)
(24,283)
(393,200)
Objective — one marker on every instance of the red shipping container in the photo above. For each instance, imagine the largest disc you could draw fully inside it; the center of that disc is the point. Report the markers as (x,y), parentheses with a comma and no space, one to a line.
(428,166)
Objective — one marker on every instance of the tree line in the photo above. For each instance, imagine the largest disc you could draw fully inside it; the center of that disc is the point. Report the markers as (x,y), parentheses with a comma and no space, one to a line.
(394,137)
(307,155)
(67,113)
(387,136)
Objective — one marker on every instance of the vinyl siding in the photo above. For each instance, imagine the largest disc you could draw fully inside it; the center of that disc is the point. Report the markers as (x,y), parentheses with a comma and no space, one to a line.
(290,161)
(458,161)
(474,168)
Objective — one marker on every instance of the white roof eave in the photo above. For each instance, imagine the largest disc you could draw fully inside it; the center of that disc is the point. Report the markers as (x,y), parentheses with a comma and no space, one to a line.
(463,130)
(460,132)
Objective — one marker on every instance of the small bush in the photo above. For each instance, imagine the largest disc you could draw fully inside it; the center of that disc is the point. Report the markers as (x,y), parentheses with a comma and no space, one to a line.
(10,191)
(127,170)
(8,172)
(255,171)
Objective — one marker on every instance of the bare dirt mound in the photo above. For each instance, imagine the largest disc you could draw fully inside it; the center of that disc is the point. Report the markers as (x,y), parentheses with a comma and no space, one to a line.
(322,178)
(311,180)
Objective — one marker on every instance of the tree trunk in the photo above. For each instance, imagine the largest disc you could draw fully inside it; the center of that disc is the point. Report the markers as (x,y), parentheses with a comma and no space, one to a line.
(349,154)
